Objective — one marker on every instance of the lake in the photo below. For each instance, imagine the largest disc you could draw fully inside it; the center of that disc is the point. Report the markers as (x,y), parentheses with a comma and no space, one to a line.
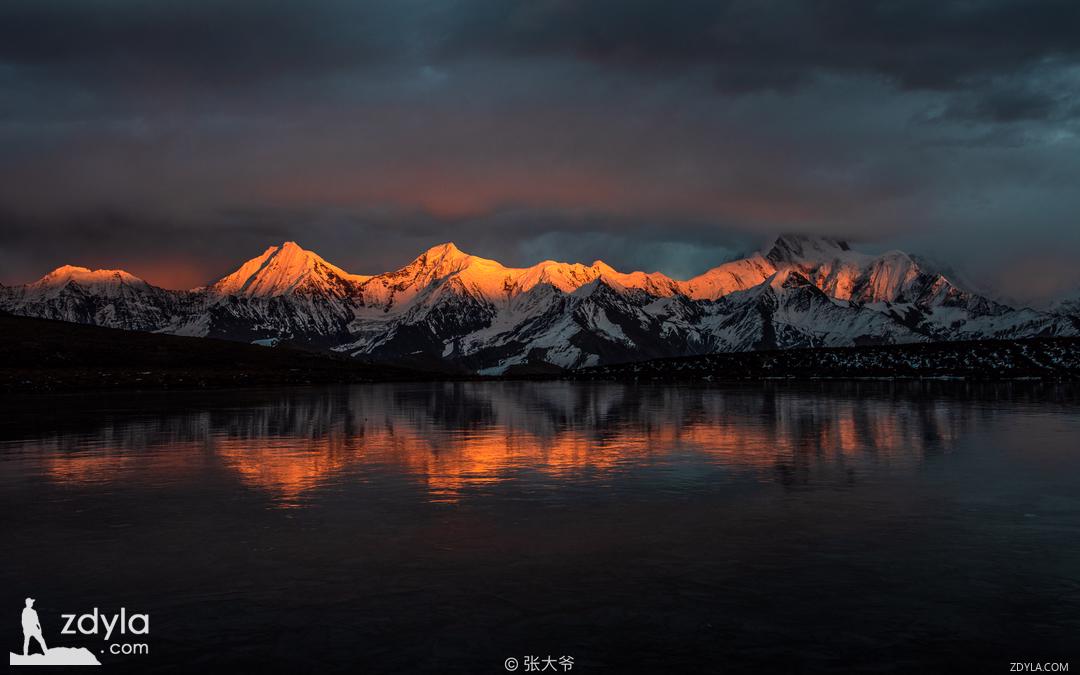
(448,527)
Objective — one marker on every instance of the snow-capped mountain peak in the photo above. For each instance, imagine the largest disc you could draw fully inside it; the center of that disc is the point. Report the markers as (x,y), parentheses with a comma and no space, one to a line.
(438,262)
(803,248)
(102,297)
(61,276)
(1067,303)
(103,283)
(443,258)
(737,275)
(284,269)
(446,251)
(433,266)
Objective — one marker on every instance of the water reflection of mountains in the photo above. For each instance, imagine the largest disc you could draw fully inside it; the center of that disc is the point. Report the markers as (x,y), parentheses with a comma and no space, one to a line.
(455,438)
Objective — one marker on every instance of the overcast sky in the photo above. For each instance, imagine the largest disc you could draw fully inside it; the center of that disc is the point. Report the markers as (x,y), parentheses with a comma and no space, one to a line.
(175,139)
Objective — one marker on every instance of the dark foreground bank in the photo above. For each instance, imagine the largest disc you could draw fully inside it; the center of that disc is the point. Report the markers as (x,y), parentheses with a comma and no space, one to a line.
(44,355)
(40,355)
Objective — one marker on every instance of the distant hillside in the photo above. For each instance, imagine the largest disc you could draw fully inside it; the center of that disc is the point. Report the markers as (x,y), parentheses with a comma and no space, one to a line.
(45,355)
(1042,358)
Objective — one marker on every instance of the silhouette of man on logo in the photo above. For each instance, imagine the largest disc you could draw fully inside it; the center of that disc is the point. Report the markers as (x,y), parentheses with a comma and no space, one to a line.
(31,628)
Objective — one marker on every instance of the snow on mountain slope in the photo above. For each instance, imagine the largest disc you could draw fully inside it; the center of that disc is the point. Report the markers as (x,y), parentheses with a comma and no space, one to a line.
(908,291)
(287,292)
(287,269)
(449,307)
(787,310)
(845,274)
(493,282)
(737,275)
(831,265)
(394,290)
(892,277)
(477,310)
(102,282)
(113,298)
(1068,305)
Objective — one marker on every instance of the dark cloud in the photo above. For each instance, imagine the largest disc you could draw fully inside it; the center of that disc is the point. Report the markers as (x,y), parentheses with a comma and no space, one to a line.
(195,42)
(747,44)
(1016,100)
(653,134)
(756,44)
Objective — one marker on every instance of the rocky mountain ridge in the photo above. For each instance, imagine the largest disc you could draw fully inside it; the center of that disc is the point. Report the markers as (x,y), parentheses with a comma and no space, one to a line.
(448,307)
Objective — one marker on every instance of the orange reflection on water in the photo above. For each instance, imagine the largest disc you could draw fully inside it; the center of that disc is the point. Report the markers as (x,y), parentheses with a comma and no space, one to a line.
(473,443)
(108,463)
(284,466)
(467,461)
(84,468)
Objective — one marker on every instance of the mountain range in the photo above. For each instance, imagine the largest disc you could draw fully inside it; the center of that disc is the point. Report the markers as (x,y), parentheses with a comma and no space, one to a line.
(450,309)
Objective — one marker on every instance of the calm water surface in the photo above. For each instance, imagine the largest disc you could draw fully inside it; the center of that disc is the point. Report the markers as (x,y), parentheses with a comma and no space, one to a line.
(447,527)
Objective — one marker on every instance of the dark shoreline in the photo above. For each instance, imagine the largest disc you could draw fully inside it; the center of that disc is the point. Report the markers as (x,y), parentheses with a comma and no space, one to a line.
(44,356)
(40,355)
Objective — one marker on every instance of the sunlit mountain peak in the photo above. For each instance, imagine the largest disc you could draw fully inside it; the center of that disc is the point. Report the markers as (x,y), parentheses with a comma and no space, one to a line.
(446,255)
(65,274)
(281,269)
(448,248)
